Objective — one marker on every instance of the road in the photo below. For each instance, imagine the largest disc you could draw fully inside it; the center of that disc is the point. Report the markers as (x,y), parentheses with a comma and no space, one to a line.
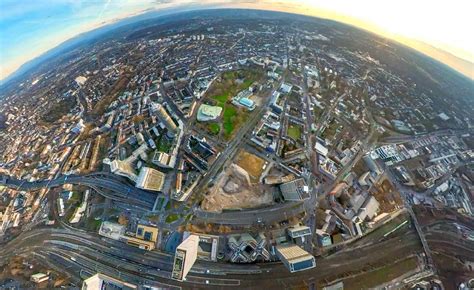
(82,254)
(106,184)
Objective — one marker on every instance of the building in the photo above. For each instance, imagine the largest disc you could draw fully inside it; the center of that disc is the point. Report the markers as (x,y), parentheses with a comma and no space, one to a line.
(147,233)
(39,277)
(242,99)
(139,243)
(185,256)
(295,258)
(371,164)
(145,238)
(323,238)
(104,282)
(321,149)
(123,168)
(369,209)
(111,230)
(366,179)
(247,103)
(208,246)
(276,103)
(150,179)
(295,190)
(208,113)
(165,118)
(80,80)
(298,232)
(285,88)
(247,249)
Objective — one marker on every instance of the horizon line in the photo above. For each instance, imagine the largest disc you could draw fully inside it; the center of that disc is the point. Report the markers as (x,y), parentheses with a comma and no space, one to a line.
(417,45)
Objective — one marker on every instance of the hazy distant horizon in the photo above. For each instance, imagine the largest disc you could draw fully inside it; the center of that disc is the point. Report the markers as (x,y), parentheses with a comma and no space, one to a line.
(88,16)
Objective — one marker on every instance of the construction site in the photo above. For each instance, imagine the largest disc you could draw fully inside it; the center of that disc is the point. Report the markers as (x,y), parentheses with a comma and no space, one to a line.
(234,189)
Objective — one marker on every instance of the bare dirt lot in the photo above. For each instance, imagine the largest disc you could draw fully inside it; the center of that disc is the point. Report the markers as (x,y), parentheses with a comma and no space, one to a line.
(20,270)
(251,163)
(234,190)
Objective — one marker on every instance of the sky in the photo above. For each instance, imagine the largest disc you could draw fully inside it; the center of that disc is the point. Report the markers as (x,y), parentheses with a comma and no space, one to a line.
(441,28)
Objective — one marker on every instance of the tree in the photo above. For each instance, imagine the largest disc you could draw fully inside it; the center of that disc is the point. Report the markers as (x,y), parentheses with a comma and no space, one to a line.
(123,220)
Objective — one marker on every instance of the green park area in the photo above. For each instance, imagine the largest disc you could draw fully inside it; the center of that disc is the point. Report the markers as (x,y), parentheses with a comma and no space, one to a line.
(221,92)
(214,128)
(294,132)
(172,218)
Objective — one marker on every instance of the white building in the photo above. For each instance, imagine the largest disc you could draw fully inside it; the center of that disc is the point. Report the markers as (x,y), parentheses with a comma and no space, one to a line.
(101,281)
(185,256)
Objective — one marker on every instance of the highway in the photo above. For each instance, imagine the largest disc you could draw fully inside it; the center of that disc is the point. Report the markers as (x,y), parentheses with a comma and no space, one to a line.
(106,184)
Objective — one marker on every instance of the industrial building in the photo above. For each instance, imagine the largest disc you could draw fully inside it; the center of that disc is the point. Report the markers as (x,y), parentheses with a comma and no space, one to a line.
(295,258)
(185,256)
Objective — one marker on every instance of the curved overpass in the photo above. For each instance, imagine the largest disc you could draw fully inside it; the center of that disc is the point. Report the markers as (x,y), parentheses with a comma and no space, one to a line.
(106,184)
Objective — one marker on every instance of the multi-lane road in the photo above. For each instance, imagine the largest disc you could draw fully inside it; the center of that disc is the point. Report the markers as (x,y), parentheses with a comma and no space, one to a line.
(109,185)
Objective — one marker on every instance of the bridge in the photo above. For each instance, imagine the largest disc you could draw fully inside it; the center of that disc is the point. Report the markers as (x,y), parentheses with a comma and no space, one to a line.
(106,184)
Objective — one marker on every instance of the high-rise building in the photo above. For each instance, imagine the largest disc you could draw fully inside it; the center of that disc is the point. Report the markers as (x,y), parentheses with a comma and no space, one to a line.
(184,258)
(165,118)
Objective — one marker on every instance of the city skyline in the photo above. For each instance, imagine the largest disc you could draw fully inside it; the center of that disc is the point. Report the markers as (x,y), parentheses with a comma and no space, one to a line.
(30,29)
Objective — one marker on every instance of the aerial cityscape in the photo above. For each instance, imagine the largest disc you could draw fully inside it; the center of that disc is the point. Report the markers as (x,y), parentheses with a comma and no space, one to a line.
(236,149)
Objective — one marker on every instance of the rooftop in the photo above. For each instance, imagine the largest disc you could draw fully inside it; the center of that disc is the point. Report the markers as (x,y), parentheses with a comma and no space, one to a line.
(150,179)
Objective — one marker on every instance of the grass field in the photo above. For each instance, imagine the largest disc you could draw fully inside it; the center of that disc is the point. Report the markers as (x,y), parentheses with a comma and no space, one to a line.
(382,275)
(294,131)
(214,128)
(164,145)
(171,218)
(230,122)
(221,99)
(221,92)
